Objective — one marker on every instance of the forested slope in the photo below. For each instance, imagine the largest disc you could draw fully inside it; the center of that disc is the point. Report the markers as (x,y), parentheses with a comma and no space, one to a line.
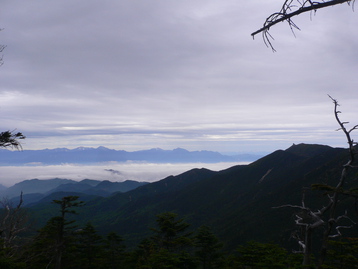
(237,202)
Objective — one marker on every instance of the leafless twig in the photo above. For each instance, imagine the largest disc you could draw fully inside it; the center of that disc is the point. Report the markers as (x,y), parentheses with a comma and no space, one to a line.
(308,220)
(289,9)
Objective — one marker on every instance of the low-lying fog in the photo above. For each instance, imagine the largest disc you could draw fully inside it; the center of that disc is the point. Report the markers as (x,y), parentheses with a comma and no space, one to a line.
(113,171)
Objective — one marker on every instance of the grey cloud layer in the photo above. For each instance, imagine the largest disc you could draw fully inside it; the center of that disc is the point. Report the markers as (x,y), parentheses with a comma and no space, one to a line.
(134,74)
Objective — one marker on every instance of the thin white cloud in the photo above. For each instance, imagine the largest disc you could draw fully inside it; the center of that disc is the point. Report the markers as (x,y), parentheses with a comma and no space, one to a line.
(137,171)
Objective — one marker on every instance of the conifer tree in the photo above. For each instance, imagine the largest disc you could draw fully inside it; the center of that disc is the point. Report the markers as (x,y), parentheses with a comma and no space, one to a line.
(261,255)
(114,251)
(207,248)
(168,247)
(171,232)
(342,254)
(88,247)
(55,237)
(10,138)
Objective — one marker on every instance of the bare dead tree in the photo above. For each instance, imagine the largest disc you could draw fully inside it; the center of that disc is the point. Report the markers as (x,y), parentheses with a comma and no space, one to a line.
(326,218)
(2,47)
(289,9)
(333,196)
(13,221)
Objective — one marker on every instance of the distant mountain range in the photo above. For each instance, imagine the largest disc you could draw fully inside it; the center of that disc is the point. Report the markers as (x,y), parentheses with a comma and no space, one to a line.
(34,190)
(86,155)
(238,202)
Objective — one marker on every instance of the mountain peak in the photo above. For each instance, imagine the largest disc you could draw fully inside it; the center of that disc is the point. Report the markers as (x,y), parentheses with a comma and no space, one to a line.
(180,150)
(103,148)
(307,150)
(91,155)
(59,149)
(155,149)
(81,148)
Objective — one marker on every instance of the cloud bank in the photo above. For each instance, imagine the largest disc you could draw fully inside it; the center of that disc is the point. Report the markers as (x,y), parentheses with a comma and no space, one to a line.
(113,171)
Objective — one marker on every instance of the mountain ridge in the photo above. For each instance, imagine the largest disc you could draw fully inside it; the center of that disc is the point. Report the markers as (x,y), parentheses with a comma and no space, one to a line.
(88,155)
(236,202)
(239,203)
(35,189)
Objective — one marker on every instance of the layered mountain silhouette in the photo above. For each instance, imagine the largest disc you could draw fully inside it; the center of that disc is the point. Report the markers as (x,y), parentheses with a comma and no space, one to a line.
(85,155)
(239,203)
(34,190)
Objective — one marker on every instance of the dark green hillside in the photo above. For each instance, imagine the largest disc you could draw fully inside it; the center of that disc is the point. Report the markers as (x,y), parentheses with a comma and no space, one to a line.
(41,211)
(33,186)
(237,202)
(117,210)
(112,187)
(34,190)
(133,212)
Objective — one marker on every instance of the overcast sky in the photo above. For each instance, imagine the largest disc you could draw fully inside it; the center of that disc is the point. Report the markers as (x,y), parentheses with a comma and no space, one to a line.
(139,74)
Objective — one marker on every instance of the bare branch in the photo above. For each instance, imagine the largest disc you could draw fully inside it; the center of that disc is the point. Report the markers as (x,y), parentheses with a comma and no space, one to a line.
(13,221)
(338,228)
(354,128)
(290,9)
(308,220)
(2,47)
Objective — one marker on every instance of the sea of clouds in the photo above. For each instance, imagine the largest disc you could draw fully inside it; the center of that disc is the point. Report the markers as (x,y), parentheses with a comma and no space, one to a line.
(113,171)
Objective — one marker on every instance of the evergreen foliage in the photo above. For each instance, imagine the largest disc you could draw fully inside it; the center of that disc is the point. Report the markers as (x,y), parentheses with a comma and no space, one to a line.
(56,238)
(171,232)
(342,254)
(260,255)
(10,138)
(114,255)
(208,248)
(88,247)
(173,245)
(168,247)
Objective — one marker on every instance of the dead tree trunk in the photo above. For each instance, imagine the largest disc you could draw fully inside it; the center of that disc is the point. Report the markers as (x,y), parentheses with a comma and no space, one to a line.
(13,221)
(325,217)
